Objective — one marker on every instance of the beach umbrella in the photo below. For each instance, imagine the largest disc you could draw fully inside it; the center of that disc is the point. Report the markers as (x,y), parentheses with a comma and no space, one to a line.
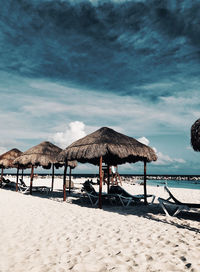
(7,159)
(111,147)
(43,154)
(195,135)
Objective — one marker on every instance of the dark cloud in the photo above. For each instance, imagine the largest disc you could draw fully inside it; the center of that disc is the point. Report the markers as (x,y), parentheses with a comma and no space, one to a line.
(109,46)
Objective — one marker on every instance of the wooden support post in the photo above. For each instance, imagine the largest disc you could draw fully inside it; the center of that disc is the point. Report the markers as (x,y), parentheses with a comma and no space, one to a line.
(70,179)
(145,182)
(17,178)
(22,176)
(1,176)
(31,181)
(64,181)
(100,182)
(108,179)
(52,181)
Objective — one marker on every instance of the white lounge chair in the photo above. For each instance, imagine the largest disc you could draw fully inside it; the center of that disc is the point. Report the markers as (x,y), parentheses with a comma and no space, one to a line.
(23,188)
(175,204)
(126,198)
(89,191)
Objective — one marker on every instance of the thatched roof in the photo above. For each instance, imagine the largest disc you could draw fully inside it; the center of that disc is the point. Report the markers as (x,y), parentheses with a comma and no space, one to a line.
(72,164)
(116,148)
(43,154)
(195,135)
(6,159)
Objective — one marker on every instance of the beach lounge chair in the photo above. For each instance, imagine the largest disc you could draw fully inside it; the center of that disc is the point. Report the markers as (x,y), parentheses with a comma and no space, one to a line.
(90,192)
(4,182)
(175,204)
(127,198)
(93,196)
(23,188)
(8,184)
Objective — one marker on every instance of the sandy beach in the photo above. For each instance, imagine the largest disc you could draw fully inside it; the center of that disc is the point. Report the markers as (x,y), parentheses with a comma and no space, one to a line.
(41,233)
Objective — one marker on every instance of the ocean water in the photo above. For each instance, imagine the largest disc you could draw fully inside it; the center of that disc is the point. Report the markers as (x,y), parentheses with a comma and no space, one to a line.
(189,184)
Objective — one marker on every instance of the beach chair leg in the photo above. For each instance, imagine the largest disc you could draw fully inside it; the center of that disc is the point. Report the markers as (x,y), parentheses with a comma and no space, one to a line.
(179,209)
(129,202)
(153,198)
(23,191)
(48,191)
(92,202)
(163,207)
(124,203)
(121,201)
(95,204)
(90,199)
(110,200)
(27,189)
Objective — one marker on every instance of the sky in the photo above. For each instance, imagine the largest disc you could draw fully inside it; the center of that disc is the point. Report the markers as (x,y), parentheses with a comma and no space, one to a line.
(70,67)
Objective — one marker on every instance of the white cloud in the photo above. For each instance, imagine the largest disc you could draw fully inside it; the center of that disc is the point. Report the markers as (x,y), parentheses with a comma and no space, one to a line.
(158,85)
(98,107)
(143,140)
(162,158)
(32,117)
(165,159)
(41,107)
(2,150)
(74,131)
(180,160)
(151,115)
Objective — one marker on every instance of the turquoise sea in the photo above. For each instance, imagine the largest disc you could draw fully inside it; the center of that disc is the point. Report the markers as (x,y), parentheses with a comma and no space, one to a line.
(189,184)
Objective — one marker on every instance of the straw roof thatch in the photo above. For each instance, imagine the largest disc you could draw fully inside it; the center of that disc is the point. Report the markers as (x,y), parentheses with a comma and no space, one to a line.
(7,158)
(43,154)
(72,164)
(195,135)
(114,147)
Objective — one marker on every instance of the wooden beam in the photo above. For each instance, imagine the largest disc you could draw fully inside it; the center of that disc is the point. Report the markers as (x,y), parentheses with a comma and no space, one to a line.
(64,181)
(108,179)
(17,178)
(1,176)
(145,182)
(70,179)
(22,176)
(52,181)
(31,181)
(100,182)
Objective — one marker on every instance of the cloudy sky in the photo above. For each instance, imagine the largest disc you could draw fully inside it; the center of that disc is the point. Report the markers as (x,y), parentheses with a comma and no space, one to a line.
(70,67)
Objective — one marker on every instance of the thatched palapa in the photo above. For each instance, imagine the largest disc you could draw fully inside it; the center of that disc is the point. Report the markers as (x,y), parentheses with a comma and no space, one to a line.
(45,155)
(114,147)
(6,159)
(111,147)
(195,135)
(72,164)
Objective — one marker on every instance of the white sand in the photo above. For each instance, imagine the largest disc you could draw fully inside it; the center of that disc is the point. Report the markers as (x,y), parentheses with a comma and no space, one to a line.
(39,234)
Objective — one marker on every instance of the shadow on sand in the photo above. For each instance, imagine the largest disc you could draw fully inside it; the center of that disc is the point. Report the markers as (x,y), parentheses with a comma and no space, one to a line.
(149,212)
